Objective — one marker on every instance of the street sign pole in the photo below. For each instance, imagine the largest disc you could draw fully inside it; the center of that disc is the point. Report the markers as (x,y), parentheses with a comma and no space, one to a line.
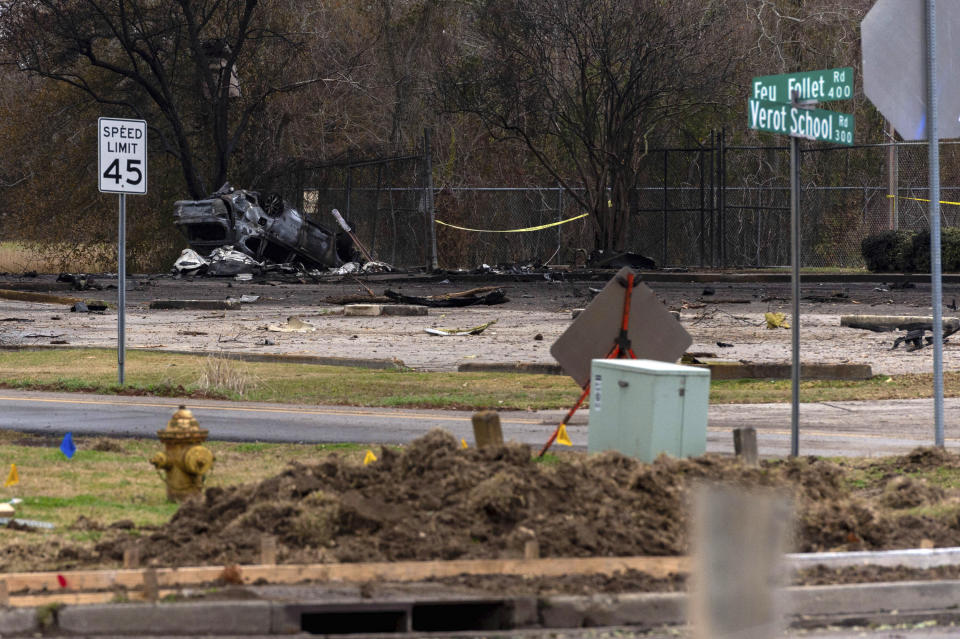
(122,169)
(935,265)
(122,288)
(795,285)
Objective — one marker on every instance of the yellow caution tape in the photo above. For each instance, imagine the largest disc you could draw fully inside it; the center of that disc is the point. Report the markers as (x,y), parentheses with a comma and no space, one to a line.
(13,477)
(563,437)
(920,199)
(532,228)
(370,457)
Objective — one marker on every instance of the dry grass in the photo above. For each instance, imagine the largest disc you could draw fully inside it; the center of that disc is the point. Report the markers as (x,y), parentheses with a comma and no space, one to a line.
(224,375)
(16,257)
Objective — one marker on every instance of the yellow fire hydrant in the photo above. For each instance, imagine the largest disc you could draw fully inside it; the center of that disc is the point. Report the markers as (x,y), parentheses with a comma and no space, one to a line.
(184,460)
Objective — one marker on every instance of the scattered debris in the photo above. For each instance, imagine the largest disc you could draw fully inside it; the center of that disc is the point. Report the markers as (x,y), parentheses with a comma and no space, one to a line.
(41,298)
(244,299)
(202,305)
(357,299)
(192,333)
(887,323)
(375,310)
(21,524)
(600,259)
(708,291)
(724,345)
(538,337)
(488,295)
(346,269)
(243,277)
(346,229)
(79,307)
(776,320)
(190,262)
(914,338)
(227,262)
(79,281)
(445,332)
(16,319)
(262,226)
(376,267)
(294,325)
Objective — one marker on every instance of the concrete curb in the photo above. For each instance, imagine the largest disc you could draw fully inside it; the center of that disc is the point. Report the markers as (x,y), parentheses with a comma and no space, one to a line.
(718,370)
(736,370)
(275,358)
(809,606)
(192,619)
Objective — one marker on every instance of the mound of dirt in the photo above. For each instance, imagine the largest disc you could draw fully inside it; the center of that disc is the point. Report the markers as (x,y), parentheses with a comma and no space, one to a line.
(436,500)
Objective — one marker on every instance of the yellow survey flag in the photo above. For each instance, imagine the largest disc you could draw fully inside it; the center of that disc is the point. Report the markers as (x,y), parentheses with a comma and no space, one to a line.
(370,457)
(463,443)
(563,437)
(13,477)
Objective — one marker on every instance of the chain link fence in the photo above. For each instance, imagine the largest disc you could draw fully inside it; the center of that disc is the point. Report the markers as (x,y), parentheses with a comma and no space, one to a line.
(713,206)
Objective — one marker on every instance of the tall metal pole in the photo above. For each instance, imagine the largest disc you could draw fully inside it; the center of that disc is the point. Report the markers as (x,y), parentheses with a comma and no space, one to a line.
(122,288)
(795,285)
(935,271)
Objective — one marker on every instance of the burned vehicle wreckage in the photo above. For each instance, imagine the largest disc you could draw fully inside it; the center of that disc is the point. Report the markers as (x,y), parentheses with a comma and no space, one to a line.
(263,228)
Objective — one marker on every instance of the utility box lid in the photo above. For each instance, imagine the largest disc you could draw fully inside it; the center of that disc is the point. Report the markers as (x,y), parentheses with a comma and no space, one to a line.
(650,366)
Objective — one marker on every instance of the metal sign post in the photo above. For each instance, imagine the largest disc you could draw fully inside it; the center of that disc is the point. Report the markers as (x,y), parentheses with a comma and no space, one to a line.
(795,288)
(122,169)
(911,82)
(786,104)
(935,265)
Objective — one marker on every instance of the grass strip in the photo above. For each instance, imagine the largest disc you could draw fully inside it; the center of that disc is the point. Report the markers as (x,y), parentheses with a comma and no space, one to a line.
(178,375)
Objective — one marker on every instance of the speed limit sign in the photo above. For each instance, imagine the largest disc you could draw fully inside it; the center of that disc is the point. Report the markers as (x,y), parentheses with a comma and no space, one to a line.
(122,153)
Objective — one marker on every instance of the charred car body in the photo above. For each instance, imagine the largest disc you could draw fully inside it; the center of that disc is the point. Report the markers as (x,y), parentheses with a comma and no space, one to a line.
(264,227)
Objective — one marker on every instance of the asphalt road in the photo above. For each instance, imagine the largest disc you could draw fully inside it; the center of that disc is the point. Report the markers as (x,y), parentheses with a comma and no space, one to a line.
(836,428)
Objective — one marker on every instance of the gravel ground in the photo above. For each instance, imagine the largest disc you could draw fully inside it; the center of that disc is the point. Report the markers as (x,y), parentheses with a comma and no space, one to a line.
(732,313)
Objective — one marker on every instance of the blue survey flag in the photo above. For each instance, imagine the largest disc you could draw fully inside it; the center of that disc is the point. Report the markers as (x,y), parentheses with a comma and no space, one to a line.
(67,447)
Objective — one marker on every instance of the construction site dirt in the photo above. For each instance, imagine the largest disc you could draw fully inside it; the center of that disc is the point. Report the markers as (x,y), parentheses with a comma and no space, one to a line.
(434,500)
(726,320)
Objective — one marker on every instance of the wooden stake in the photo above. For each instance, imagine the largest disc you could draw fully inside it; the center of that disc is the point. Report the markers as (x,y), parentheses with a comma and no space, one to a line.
(486,429)
(131,557)
(745,445)
(4,594)
(151,588)
(531,549)
(268,550)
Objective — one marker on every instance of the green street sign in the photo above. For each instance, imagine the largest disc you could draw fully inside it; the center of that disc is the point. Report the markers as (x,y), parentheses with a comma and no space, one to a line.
(825,85)
(812,124)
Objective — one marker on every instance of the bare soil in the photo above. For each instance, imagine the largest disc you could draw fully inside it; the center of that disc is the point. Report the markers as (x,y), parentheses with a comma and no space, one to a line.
(436,500)
(728,313)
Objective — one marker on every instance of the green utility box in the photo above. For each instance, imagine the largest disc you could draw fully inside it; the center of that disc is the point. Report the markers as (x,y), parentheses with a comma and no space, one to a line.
(642,407)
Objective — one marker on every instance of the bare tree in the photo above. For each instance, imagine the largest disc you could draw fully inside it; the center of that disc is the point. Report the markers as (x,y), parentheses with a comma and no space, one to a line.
(587,84)
(199,71)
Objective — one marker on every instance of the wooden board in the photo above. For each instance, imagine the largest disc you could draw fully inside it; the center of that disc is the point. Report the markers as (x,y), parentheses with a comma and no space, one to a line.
(26,589)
